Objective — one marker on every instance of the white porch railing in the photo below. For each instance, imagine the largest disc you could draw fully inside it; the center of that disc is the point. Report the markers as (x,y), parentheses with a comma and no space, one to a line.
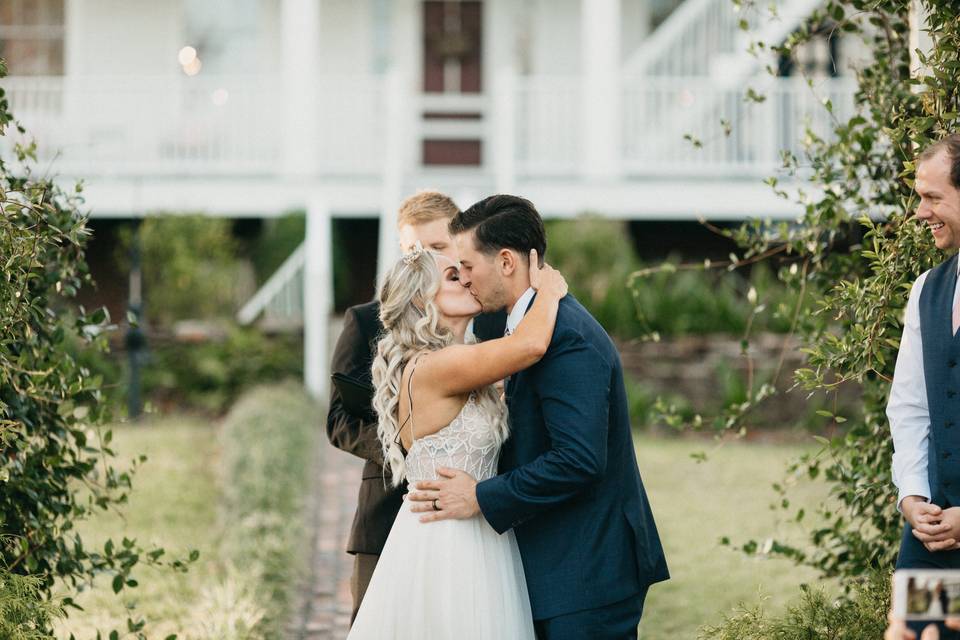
(280,299)
(353,122)
(704,38)
(659,112)
(684,44)
(229,126)
(548,137)
(131,126)
(149,126)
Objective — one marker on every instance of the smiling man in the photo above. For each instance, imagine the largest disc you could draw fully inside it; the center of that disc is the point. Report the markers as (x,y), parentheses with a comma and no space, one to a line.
(924,405)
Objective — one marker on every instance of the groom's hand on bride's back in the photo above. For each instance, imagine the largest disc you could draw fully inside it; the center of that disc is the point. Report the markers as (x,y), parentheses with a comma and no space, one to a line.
(451,497)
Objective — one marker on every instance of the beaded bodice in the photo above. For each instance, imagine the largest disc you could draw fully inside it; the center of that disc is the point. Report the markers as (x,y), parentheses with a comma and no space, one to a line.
(469,443)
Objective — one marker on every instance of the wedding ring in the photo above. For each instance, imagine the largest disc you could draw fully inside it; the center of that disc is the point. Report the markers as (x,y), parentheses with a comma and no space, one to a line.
(435,507)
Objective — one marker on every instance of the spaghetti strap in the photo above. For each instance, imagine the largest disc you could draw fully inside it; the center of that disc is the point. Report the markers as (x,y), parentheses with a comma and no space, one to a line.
(413,370)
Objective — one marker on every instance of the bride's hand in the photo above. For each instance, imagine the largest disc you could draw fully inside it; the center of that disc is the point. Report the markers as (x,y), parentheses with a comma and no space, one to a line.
(546,279)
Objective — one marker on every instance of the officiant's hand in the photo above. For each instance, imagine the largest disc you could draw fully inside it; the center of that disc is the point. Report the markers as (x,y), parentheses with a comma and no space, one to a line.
(941,536)
(455,493)
(898,630)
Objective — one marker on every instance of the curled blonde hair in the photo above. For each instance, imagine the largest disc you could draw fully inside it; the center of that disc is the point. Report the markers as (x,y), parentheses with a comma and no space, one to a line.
(411,326)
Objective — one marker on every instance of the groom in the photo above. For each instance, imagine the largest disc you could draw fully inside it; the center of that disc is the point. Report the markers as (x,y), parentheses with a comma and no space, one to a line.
(568,484)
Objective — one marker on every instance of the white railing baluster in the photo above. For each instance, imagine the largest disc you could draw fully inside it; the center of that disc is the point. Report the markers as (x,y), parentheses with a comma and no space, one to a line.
(671,107)
(269,299)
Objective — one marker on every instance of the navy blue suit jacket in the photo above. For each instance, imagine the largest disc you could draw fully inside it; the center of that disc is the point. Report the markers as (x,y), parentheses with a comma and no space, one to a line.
(569,485)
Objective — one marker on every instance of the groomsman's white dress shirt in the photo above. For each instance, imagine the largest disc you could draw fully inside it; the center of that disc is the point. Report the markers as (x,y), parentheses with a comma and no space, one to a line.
(907,408)
(519,310)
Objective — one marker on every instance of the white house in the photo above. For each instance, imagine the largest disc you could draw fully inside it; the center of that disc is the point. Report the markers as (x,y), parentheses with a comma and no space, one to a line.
(255,107)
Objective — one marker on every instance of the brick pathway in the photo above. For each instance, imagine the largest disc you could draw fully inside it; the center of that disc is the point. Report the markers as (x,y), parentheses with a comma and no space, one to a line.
(324,610)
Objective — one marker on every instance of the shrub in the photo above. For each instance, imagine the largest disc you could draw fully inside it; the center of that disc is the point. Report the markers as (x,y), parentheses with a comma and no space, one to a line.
(191,268)
(598,259)
(863,180)
(269,440)
(854,254)
(280,237)
(211,375)
(55,467)
(24,613)
(596,256)
(673,300)
(859,616)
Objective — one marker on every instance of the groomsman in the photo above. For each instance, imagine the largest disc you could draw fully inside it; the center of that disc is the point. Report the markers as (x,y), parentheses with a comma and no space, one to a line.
(924,405)
(424,217)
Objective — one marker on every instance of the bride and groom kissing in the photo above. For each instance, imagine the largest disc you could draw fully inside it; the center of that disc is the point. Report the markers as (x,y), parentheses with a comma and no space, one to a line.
(524,514)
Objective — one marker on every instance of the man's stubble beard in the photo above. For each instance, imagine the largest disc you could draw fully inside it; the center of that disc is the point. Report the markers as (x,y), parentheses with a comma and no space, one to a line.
(493,302)
(498,299)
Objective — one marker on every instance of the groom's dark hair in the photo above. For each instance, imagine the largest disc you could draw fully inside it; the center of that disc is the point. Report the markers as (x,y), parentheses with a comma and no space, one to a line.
(503,222)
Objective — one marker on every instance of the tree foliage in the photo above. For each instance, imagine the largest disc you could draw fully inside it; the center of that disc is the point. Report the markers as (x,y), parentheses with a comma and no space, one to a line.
(815,615)
(850,259)
(55,467)
(191,268)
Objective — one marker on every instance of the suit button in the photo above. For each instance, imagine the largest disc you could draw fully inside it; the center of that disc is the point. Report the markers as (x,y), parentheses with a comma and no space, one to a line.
(946,455)
(952,363)
(946,484)
(948,424)
(950,394)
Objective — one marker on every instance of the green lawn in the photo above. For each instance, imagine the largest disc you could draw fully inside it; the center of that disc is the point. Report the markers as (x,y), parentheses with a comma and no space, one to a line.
(176,497)
(174,504)
(696,504)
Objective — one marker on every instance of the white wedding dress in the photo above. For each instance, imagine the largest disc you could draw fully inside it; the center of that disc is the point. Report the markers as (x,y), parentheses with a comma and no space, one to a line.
(451,579)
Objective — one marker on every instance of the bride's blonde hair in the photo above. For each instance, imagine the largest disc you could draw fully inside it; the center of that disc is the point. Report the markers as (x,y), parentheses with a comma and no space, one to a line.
(411,326)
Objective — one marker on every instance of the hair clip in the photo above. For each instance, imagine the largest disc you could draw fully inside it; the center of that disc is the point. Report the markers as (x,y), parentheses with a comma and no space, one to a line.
(414,254)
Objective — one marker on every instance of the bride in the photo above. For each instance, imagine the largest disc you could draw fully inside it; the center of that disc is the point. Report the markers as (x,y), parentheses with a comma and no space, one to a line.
(436,399)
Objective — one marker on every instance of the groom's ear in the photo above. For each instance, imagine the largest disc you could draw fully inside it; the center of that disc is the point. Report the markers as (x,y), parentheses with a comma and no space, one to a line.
(507,262)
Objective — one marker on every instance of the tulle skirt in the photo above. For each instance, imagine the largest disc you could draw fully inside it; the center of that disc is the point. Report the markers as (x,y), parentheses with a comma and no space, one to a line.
(446,580)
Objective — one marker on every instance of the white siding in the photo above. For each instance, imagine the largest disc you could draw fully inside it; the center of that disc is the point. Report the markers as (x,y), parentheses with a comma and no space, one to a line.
(346,37)
(555,37)
(120,37)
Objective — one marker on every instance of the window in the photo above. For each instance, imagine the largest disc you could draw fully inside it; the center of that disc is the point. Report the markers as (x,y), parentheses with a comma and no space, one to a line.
(31,36)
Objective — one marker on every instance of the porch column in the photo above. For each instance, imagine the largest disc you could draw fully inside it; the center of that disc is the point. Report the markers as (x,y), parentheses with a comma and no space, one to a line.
(73,18)
(505,130)
(501,18)
(395,158)
(300,56)
(401,124)
(600,73)
(317,298)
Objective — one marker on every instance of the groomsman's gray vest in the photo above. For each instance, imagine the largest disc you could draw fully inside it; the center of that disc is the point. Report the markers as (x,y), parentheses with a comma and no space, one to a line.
(941,370)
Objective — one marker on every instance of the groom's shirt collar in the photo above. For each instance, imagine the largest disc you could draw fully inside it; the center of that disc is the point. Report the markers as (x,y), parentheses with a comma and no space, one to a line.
(519,309)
